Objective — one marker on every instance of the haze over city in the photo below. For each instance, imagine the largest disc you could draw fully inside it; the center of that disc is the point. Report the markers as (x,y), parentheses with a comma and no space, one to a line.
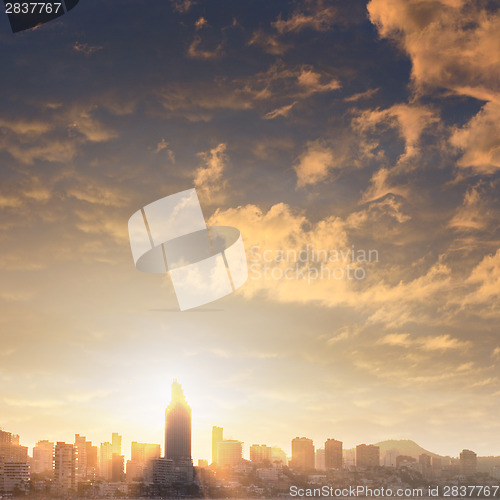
(84,470)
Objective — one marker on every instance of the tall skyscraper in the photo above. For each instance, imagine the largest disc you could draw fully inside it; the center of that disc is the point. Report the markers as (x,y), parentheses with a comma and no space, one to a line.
(64,466)
(217,437)
(116,443)
(319,461)
(333,454)
(468,463)
(367,455)
(117,459)
(117,468)
(86,458)
(302,454)
(105,462)
(178,426)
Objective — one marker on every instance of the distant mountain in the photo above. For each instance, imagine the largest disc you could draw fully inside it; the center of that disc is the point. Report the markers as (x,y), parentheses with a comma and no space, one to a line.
(404,447)
(412,449)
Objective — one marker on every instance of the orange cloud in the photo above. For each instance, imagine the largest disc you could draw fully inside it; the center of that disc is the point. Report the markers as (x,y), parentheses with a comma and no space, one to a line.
(316,15)
(479,140)
(208,179)
(314,164)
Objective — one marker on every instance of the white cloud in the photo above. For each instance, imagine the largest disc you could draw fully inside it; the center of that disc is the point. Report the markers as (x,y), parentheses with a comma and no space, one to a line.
(208,179)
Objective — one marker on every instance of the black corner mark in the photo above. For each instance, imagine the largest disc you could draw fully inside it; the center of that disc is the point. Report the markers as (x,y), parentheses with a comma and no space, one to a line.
(28,14)
(70,4)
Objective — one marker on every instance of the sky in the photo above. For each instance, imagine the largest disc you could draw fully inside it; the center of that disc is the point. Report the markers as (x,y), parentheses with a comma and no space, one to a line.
(305,124)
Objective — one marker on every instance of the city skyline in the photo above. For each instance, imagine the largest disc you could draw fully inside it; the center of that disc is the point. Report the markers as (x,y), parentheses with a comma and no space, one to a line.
(82,470)
(319,125)
(178,432)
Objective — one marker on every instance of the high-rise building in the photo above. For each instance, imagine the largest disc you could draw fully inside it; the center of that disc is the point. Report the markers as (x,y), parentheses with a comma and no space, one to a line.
(43,457)
(116,443)
(302,454)
(178,426)
(64,466)
(333,454)
(117,468)
(159,472)
(10,448)
(86,458)
(92,461)
(319,459)
(135,472)
(105,462)
(390,458)
(117,459)
(81,456)
(141,455)
(436,465)
(202,463)
(16,476)
(468,463)
(229,453)
(367,455)
(217,437)
(349,458)
(260,453)
(143,452)
(8,438)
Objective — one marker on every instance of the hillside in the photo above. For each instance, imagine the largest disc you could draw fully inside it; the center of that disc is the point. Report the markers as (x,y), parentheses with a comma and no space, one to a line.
(404,447)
